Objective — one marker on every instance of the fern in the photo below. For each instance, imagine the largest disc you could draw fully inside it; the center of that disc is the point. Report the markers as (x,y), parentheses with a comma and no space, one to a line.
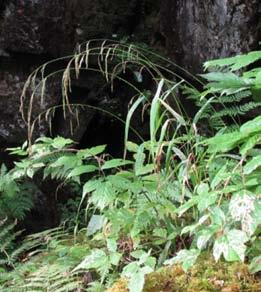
(15,197)
(49,265)
(234,111)
(234,63)
(229,93)
(233,98)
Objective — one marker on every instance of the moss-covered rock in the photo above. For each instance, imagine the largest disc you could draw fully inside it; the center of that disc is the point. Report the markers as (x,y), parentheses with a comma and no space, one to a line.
(206,275)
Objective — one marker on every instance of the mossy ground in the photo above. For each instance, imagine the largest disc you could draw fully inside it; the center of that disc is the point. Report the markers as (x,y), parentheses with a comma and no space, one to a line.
(206,275)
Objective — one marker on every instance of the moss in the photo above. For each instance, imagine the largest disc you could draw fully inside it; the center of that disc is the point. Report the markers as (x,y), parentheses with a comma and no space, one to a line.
(206,275)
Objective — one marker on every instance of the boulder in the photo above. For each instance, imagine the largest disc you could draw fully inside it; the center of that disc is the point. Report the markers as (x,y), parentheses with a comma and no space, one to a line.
(197,31)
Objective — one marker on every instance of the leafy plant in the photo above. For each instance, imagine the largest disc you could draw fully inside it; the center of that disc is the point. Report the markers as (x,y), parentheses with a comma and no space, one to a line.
(165,202)
(15,197)
(228,202)
(230,93)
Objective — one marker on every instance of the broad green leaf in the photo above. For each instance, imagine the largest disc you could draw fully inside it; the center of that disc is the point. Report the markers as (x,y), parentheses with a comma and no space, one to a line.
(206,200)
(68,162)
(217,216)
(115,258)
(231,245)
(255,265)
(104,195)
(224,142)
(130,269)
(226,83)
(86,153)
(132,147)
(249,144)
(148,168)
(61,142)
(90,186)
(95,260)
(203,238)
(219,177)
(139,159)
(236,240)
(119,182)
(205,197)
(136,282)
(203,189)
(186,206)
(185,257)
(114,163)
(96,223)
(241,207)
(81,170)
(252,126)
(112,244)
(252,165)
(160,232)
(220,247)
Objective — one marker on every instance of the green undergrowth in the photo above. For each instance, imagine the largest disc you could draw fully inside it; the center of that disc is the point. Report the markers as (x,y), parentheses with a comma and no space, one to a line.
(184,198)
(205,275)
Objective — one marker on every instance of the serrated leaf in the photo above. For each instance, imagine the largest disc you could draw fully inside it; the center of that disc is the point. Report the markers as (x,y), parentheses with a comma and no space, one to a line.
(67,162)
(114,163)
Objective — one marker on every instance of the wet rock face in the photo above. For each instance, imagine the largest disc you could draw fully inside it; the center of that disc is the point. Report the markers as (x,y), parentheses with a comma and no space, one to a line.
(31,26)
(45,29)
(13,128)
(200,30)
(191,30)
(55,26)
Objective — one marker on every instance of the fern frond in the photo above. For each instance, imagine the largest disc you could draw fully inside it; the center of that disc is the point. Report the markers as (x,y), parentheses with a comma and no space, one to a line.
(233,98)
(234,63)
(234,111)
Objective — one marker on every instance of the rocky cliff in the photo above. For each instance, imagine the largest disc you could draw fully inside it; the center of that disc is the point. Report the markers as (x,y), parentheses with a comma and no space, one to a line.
(188,31)
(35,31)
